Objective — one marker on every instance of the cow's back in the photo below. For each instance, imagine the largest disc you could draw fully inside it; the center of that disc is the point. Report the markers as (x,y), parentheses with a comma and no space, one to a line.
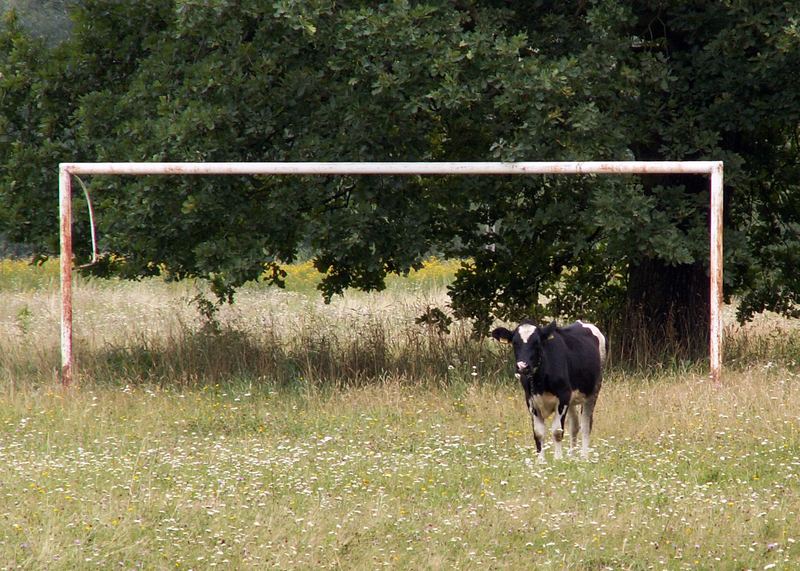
(586,347)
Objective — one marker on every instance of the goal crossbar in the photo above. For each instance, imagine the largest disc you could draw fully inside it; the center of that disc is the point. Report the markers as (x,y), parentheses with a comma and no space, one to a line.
(714,169)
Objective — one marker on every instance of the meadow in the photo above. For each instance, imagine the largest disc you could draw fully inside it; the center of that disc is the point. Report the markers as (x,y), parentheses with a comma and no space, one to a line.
(294,435)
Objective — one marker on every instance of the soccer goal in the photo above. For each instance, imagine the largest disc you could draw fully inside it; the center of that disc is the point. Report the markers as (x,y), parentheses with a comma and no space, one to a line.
(713,169)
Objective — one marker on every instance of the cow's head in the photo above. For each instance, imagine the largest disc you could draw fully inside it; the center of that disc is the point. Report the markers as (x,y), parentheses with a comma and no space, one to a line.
(527,340)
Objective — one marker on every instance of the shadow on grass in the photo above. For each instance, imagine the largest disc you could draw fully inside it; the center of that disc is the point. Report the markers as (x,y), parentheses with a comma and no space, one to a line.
(373,354)
(316,359)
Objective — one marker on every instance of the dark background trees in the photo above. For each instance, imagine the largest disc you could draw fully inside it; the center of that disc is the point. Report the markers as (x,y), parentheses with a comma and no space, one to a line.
(464,80)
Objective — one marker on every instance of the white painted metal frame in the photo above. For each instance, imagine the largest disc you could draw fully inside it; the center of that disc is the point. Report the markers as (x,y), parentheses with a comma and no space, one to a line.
(711,168)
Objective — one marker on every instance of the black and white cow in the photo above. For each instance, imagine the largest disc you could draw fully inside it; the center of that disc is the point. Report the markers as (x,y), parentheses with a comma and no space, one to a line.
(560,369)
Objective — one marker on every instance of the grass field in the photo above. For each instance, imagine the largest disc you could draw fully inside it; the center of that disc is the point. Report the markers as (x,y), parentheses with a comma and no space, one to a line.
(382,445)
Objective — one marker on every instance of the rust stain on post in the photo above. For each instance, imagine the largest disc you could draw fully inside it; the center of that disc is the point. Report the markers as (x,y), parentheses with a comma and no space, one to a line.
(715,271)
(65,218)
(394,168)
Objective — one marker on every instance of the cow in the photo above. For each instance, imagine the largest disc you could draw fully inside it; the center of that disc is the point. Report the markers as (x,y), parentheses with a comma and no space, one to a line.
(560,369)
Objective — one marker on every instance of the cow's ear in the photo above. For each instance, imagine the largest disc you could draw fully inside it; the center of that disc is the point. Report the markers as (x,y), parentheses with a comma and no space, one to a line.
(502,334)
(547,332)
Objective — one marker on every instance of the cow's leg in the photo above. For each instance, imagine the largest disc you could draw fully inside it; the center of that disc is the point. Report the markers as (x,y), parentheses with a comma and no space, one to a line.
(586,423)
(558,425)
(574,426)
(539,431)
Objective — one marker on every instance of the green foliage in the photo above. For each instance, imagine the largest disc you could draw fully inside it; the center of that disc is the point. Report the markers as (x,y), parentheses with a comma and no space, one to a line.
(24,316)
(422,81)
(435,319)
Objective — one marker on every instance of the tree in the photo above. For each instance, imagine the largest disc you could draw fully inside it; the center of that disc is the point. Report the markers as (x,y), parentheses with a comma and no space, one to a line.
(431,80)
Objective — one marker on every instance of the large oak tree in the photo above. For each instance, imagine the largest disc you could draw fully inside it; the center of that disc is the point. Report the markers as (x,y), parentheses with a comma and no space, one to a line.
(436,80)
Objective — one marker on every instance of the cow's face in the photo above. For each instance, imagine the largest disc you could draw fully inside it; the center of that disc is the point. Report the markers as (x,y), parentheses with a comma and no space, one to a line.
(526,344)
(526,341)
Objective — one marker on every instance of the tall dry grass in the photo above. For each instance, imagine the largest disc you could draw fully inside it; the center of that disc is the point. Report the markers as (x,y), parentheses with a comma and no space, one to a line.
(151,332)
(134,332)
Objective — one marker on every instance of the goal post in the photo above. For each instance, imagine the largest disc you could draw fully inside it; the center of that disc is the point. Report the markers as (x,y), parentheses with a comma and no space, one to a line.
(713,169)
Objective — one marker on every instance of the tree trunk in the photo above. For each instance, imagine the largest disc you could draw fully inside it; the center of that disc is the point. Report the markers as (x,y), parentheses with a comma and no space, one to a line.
(666,315)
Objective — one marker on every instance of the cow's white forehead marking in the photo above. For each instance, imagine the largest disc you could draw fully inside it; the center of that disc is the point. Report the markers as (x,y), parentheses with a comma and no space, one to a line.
(521,365)
(525,331)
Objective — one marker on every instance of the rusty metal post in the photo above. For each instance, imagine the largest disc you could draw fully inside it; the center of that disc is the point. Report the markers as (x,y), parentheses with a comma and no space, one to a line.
(65,217)
(715,271)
